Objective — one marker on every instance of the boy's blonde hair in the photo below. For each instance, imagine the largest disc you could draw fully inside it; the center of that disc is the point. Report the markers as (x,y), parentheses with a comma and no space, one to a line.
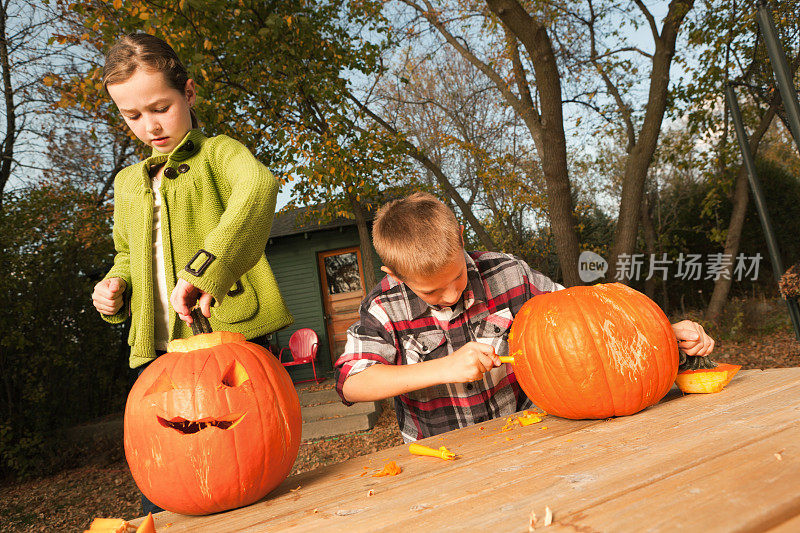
(417,235)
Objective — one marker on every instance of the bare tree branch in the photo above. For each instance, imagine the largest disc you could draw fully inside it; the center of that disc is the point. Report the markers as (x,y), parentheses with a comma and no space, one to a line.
(650,19)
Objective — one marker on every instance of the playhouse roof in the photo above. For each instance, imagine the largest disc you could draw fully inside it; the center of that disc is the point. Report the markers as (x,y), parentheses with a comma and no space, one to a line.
(297,221)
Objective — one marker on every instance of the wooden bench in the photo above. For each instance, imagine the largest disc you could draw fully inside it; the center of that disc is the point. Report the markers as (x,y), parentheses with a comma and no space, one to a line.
(706,462)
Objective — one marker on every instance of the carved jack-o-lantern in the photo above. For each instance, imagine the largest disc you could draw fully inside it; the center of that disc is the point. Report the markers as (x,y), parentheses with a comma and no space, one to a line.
(212,425)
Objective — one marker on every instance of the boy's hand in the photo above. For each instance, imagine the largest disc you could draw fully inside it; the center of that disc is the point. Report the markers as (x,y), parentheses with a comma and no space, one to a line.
(471,362)
(185,295)
(692,339)
(107,295)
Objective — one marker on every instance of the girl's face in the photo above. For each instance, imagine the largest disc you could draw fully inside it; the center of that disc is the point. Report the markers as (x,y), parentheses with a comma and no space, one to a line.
(155,112)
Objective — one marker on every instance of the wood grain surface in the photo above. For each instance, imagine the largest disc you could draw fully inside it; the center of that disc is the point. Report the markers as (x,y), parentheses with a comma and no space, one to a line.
(725,462)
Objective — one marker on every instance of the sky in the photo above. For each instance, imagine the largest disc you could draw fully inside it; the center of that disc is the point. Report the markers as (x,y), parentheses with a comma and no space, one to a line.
(639,37)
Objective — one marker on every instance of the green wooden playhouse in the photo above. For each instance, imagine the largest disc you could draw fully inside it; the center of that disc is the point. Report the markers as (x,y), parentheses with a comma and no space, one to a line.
(320,274)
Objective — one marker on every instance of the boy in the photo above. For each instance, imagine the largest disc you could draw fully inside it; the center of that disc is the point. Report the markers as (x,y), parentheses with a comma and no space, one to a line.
(431,333)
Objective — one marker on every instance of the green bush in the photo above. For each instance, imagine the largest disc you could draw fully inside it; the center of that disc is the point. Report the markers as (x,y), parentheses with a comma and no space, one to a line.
(695,218)
(60,363)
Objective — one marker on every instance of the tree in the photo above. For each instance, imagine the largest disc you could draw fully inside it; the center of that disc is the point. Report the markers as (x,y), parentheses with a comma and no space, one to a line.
(24,56)
(273,75)
(478,153)
(531,52)
(54,239)
(728,47)
(545,122)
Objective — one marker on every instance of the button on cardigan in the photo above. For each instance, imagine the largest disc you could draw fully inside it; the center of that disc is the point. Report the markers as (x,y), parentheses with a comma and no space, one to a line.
(216,213)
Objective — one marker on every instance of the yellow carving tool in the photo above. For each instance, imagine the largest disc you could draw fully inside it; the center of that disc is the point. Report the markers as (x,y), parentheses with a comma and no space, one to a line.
(441,453)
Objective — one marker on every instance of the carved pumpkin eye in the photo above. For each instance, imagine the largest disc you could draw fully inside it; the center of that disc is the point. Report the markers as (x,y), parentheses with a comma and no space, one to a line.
(235,375)
(161,384)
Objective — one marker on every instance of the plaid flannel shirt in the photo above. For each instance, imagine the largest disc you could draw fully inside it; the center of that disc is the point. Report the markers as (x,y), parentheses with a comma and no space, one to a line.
(396,327)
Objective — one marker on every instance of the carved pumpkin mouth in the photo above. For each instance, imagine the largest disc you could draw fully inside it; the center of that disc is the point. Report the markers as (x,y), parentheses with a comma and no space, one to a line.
(187,427)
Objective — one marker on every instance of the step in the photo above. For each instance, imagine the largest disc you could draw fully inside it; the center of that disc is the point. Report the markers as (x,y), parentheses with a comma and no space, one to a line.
(94,432)
(330,427)
(318,397)
(337,410)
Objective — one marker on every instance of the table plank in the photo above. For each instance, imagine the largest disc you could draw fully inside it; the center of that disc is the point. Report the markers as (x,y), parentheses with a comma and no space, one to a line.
(790,526)
(590,465)
(745,487)
(601,475)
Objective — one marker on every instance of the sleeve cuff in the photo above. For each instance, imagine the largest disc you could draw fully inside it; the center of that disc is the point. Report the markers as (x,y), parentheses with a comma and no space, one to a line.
(124,311)
(119,318)
(356,368)
(209,274)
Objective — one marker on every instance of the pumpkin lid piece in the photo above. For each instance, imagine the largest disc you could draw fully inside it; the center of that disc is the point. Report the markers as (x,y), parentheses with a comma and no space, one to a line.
(108,525)
(203,336)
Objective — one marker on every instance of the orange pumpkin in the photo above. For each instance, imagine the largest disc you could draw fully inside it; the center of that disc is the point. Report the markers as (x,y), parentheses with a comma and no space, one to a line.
(212,425)
(593,352)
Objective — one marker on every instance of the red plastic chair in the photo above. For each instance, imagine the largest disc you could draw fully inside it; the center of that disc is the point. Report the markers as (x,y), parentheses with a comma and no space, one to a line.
(303,345)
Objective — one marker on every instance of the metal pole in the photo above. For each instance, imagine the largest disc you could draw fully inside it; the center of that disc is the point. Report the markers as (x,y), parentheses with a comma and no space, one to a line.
(761,206)
(783,76)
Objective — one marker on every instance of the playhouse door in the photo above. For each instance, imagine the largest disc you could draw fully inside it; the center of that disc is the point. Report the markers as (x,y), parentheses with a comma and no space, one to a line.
(342,292)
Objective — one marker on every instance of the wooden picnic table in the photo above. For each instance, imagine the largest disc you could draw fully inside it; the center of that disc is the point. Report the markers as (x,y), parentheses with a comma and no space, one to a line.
(702,462)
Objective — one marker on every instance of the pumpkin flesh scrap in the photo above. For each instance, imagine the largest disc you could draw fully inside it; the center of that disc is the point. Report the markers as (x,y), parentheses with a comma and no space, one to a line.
(148,525)
(108,525)
(390,469)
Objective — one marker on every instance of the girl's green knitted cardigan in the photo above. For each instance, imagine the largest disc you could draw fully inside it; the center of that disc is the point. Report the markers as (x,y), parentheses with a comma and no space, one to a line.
(218,203)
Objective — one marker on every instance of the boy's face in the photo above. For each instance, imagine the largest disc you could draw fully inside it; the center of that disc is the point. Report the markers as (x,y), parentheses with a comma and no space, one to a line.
(442,289)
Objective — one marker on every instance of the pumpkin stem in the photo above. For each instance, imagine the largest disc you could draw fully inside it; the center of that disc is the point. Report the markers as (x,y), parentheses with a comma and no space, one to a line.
(200,323)
(694,363)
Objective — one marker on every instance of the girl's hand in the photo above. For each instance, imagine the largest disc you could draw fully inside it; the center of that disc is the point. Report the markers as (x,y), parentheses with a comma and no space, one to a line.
(692,339)
(185,295)
(107,295)
(471,362)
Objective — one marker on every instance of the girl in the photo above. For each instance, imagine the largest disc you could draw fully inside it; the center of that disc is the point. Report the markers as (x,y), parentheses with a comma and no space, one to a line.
(191,221)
